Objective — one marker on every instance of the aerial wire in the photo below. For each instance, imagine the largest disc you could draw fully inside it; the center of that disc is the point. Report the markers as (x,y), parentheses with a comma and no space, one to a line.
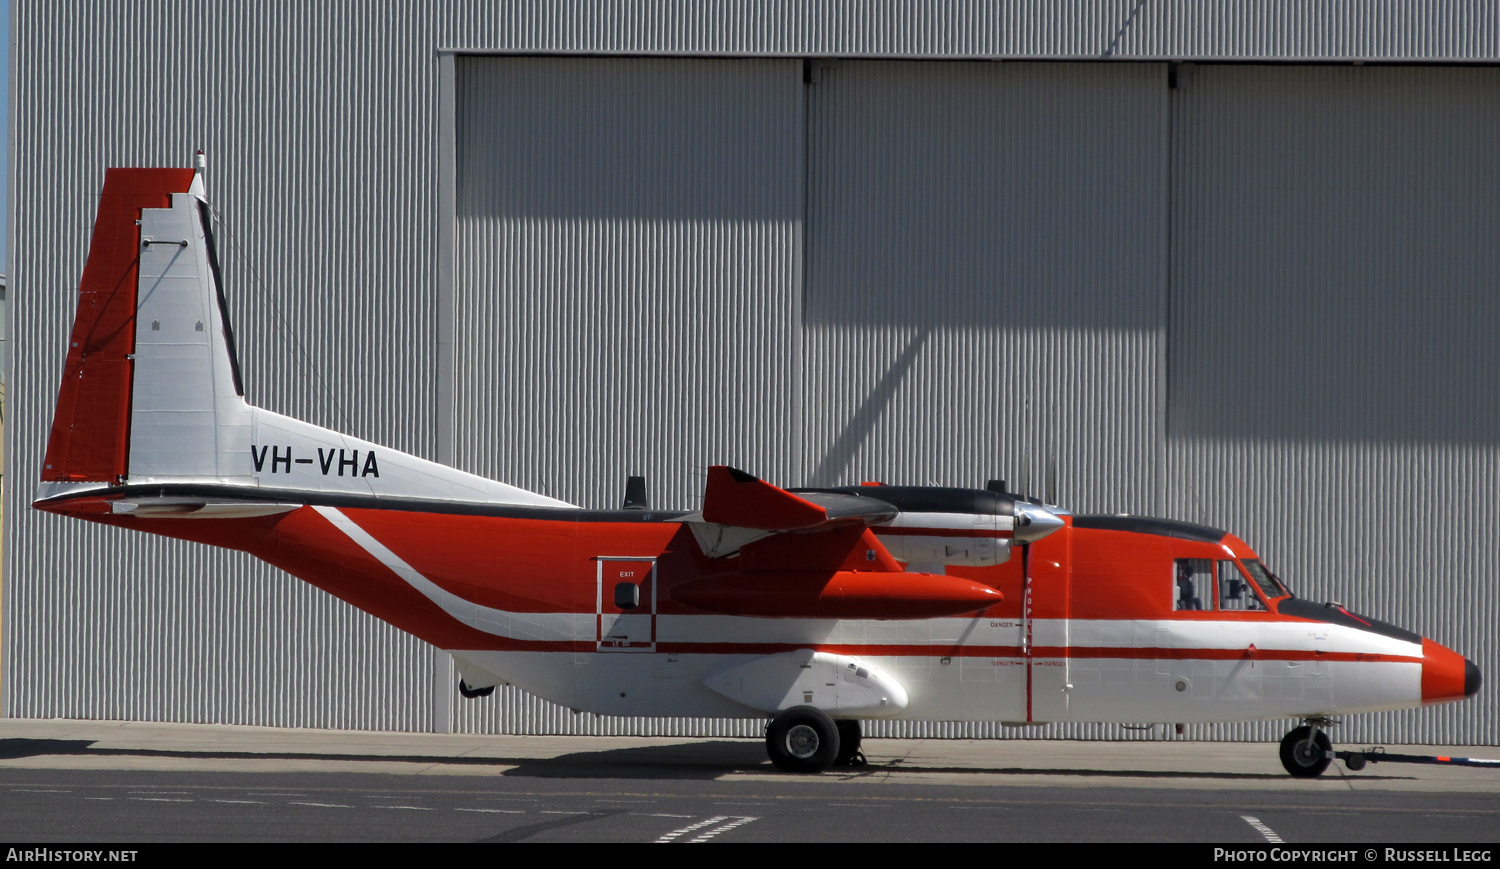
(261,292)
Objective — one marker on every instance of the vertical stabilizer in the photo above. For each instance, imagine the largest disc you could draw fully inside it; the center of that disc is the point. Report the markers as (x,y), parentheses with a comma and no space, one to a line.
(188,417)
(151,393)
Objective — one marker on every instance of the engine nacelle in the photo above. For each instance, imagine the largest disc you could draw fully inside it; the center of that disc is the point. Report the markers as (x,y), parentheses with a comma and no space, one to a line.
(929,540)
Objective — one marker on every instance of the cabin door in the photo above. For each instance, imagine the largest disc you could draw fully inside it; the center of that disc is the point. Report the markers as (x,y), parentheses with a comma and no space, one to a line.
(625,604)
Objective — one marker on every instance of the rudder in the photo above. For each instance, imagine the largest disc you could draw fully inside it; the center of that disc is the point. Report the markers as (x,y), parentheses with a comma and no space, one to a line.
(90,437)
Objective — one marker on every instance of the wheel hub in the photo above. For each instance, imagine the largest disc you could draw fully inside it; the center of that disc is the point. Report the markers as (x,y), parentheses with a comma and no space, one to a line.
(802,741)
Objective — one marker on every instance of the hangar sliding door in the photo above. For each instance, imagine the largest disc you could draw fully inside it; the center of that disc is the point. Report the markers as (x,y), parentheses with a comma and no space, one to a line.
(986,252)
(627,264)
(1334,352)
(986,257)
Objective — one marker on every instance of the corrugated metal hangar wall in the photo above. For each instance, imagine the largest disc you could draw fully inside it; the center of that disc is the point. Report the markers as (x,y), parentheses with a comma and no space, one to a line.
(824,241)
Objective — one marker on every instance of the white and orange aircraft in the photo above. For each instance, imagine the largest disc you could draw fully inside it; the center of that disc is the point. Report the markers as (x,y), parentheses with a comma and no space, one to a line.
(813,607)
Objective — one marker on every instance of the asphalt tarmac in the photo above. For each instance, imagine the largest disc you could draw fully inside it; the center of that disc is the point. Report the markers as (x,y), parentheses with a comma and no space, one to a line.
(111,782)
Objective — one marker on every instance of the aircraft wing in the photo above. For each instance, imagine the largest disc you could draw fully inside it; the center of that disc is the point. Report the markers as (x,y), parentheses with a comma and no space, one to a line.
(733,497)
(739,509)
(811,555)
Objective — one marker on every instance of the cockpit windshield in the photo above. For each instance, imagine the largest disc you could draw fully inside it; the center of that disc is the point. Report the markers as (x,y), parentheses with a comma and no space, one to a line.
(1269,583)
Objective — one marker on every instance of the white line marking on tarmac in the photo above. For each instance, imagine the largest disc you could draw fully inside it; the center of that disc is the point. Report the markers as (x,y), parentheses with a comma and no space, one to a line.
(738,822)
(672,836)
(159,800)
(241,802)
(659,815)
(494,811)
(1269,833)
(175,793)
(322,805)
(413,808)
(36,791)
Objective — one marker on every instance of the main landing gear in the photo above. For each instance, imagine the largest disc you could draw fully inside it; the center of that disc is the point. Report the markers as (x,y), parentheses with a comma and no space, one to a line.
(1306,751)
(474,693)
(805,739)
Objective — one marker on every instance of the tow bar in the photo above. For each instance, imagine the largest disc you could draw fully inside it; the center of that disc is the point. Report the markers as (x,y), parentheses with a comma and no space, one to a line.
(1355,760)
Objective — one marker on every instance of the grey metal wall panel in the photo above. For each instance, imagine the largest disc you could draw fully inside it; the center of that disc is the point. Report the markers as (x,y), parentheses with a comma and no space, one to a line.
(984,264)
(329,277)
(629,236)
(1333,354)
(1395,30)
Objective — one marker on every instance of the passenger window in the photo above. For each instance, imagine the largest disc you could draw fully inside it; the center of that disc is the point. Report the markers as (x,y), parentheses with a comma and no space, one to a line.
(1236,594)
(1194,584)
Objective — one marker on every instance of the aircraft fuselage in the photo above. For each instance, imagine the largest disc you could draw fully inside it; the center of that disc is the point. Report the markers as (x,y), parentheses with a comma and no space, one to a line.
(527,596)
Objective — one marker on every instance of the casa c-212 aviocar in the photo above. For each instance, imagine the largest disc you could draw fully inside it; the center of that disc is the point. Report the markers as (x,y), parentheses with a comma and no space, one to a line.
(815,608)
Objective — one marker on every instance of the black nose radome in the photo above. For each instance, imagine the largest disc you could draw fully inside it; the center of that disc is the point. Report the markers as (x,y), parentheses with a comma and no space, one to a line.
(1472,678)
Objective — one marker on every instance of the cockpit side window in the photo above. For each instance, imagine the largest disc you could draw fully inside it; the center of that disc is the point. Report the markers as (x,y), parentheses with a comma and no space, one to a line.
(1193,584)
(1269,582)
(1236,592)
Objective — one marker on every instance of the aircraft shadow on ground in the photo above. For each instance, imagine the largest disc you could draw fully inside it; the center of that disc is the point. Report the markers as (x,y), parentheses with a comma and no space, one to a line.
(701,760)
(878,768)
(698,760)
(705,760)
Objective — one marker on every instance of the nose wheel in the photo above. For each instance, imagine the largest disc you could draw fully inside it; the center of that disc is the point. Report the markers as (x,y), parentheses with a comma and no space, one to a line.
(1306,750)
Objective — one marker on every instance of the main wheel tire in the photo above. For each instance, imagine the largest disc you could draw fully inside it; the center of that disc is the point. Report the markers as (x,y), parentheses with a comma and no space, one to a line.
(849,742)
(802,739)
(1302,755)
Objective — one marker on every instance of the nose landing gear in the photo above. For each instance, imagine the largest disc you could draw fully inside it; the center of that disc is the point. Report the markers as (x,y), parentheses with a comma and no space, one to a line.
(1306,750)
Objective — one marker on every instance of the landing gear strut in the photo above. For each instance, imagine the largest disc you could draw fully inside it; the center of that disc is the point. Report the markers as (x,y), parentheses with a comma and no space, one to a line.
(802,739)
(1306,751)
